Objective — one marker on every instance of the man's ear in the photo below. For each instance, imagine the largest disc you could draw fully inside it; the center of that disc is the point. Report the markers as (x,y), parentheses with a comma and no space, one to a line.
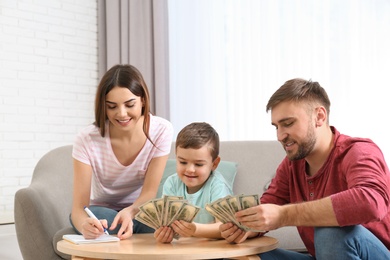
(321,116)
(216,162)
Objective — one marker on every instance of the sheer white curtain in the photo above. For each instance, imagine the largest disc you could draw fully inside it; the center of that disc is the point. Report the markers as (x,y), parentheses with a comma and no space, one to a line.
(227,57)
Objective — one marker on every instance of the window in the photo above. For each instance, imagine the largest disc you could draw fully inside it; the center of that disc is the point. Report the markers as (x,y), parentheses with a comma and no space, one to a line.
(227,57)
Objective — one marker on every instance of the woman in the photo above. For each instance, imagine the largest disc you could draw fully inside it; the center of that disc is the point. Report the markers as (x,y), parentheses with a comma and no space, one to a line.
(119,160)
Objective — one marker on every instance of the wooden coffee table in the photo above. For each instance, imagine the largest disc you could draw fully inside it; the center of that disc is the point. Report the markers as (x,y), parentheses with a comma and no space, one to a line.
(145,247)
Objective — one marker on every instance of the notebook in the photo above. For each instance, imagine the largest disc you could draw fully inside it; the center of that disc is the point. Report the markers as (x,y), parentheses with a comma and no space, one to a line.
(79,239)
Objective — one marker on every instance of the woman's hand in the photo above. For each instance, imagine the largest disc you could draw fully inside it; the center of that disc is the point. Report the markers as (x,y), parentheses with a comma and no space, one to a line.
(125,218)
(93,228)
(164,234)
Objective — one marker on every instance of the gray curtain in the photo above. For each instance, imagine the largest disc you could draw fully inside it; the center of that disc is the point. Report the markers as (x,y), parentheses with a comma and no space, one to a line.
(136,32)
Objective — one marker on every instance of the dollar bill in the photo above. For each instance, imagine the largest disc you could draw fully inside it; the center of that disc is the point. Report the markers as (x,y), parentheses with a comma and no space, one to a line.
(174,207)
(143,218)
(224,209)
(150,210)
(166,202)
(215,214)
(159,205)
(188,212)
(164,211)
(225,206)
(234,203)
(248,201)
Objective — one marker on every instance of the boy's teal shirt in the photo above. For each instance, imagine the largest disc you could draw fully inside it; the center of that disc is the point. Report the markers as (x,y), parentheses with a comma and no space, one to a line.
(214,188)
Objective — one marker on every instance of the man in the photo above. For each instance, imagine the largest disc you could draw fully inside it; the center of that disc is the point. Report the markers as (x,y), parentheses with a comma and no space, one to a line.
(332,187)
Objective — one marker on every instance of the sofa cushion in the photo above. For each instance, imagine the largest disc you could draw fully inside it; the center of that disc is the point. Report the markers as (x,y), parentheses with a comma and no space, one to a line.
(226,168)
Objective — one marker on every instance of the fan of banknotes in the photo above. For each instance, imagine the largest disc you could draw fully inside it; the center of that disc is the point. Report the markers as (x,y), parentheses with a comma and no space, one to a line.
(224,208)
(164,211)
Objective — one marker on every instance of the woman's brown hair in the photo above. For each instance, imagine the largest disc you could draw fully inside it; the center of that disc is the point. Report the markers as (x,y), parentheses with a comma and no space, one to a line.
(124,76)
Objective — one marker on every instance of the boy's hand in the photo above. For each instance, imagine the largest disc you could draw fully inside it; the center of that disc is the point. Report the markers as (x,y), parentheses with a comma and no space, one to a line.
(184,228)
(164,234)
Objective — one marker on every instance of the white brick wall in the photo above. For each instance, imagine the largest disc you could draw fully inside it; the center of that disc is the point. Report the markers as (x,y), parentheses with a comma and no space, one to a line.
(48,76)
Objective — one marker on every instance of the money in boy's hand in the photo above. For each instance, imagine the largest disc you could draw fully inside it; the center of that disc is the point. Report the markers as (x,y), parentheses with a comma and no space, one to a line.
(224,208)
(164,211)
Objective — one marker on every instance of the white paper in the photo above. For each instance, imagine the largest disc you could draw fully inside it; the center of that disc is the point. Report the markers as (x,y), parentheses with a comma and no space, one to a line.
(79,239)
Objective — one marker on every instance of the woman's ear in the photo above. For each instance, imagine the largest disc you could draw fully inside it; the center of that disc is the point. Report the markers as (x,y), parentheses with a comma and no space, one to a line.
(216,162)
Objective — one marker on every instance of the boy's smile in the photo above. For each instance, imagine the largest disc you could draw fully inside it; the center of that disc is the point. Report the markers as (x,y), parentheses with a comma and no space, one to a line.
(194,167)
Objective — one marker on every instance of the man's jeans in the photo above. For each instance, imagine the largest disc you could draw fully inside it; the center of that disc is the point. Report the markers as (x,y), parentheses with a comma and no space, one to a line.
(341,243)
(109,215)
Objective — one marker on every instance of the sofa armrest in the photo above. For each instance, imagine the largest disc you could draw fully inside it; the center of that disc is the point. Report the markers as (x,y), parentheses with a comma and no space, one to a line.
(34,222)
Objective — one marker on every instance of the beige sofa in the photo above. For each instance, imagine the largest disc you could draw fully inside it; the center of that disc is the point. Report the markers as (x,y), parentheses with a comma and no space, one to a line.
(42,209)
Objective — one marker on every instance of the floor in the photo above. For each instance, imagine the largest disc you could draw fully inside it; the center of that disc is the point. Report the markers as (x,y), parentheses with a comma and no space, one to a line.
(9,248)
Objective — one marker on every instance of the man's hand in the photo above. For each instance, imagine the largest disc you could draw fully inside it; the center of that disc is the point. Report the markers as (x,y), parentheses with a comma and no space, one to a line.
(232,233)
(263,217)
(164,234)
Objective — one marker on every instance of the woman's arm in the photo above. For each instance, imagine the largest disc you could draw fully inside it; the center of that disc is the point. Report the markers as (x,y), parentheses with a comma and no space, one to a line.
(149,190)
(153,177)
(82,176)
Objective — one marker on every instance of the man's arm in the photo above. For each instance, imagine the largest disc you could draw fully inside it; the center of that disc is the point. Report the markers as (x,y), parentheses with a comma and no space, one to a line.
(312,213)
(270,216)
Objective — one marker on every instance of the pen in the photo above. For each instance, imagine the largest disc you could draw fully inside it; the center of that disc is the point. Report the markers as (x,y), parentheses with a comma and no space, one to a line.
(90,214)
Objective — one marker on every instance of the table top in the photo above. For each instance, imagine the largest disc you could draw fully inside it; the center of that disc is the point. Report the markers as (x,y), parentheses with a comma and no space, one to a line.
(145,246)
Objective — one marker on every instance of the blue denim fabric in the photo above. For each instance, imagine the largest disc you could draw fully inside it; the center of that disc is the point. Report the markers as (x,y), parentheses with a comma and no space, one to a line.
(109,215)
(341,243)
(285,255)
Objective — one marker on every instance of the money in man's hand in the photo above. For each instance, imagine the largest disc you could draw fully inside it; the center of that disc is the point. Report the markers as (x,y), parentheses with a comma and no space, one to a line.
(224,208)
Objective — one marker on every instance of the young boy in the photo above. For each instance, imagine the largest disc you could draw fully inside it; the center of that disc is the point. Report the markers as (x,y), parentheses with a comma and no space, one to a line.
(197,157)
